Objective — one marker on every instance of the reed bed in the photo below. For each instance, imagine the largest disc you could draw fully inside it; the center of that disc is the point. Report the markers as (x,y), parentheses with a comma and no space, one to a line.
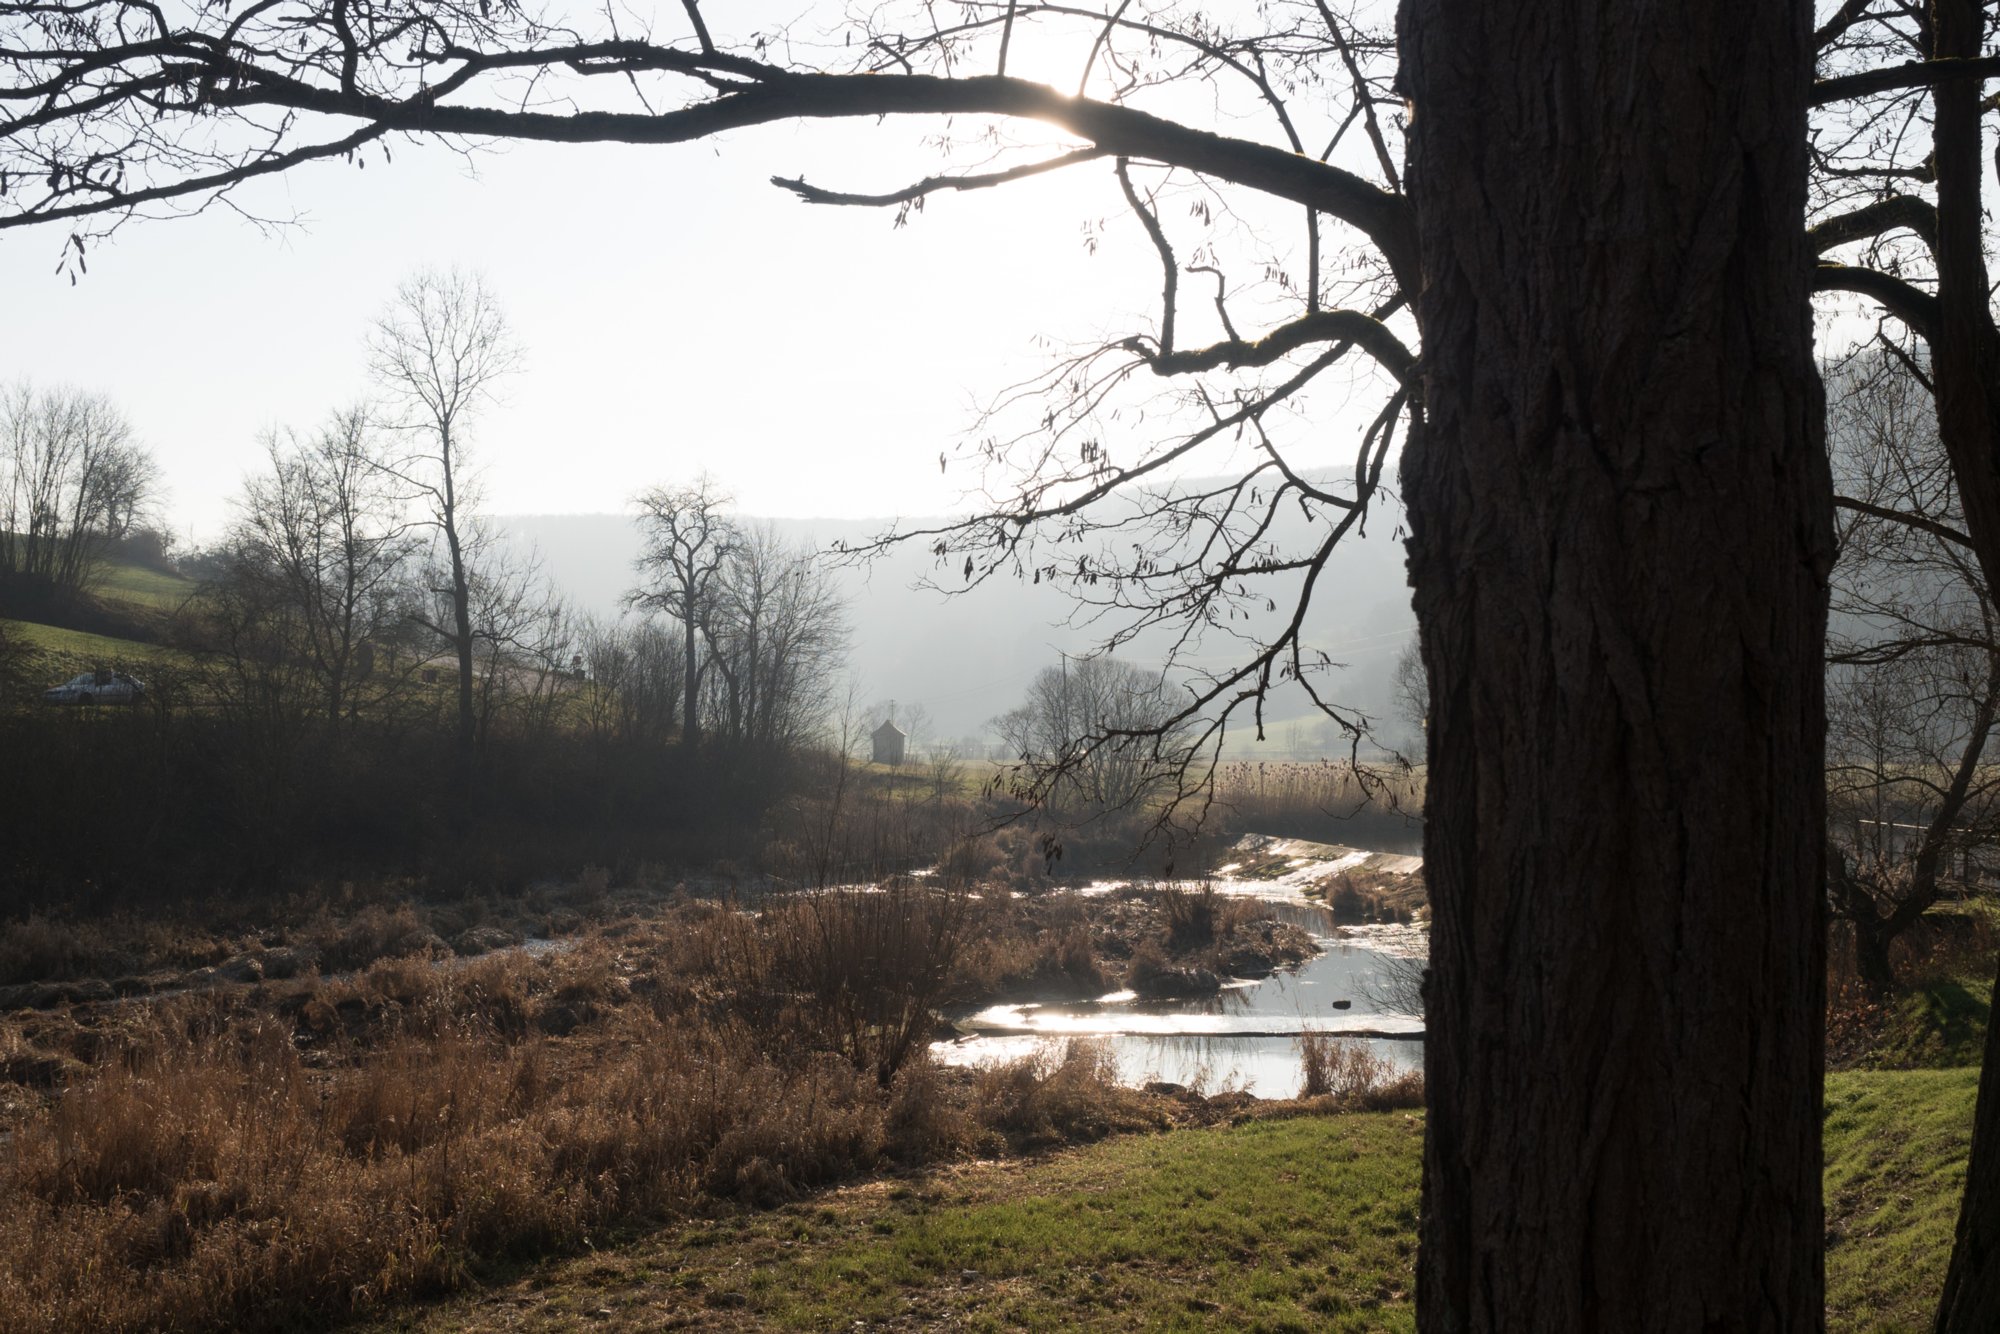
(1327,801)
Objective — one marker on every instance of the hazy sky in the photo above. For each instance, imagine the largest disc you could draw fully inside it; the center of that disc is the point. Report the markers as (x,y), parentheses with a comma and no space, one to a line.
(678,312)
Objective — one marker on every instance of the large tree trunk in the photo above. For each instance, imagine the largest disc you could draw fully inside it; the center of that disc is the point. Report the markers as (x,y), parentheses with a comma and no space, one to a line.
(1965,365)
(1965,348)
(1621,528)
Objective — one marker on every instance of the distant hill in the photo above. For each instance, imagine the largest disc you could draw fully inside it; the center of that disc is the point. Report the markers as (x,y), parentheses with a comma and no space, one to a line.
(968,657)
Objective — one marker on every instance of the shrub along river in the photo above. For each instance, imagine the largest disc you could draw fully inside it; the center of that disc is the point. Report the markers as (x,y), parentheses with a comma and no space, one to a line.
(1362,984)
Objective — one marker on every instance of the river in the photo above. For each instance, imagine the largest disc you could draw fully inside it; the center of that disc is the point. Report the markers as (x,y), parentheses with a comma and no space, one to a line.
(1245,1037)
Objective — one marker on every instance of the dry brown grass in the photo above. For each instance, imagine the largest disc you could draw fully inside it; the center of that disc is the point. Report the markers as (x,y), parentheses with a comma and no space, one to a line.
(1042,945)
(1198,919)
(376,931)
(44,948)
(276,1157)
(1064,1092)
(221,1185)
(863,972)
(1367,896)
(1329,801)
(1352,1077)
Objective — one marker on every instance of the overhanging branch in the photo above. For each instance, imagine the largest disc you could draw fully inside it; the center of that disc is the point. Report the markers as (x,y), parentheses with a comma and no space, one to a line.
(1943,531)
(1884,215)
(1910,74)
(761,94)
(1365,331)
(1912,305)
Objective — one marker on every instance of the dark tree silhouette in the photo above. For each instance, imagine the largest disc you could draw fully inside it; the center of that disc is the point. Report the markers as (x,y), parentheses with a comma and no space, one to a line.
(438,352)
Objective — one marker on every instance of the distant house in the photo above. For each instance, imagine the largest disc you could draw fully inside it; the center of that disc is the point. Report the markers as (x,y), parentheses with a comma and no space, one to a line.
(889,740)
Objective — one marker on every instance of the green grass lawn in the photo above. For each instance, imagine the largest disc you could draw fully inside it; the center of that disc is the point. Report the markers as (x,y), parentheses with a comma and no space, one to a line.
(143,587)
(1301,1224)
(76,650)
(1896,1143)
(138,588)
(1276,1225)
(1306,1224)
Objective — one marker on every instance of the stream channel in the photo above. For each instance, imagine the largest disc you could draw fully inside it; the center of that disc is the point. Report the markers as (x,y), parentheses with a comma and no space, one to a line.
(1246,1036)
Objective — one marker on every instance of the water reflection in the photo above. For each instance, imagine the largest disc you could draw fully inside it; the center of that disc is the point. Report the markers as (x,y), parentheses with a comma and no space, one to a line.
(1266,1067)
(1244,1037)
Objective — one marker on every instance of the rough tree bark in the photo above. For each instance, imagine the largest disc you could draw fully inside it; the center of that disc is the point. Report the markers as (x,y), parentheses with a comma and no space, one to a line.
(1965,368)
(1621,532)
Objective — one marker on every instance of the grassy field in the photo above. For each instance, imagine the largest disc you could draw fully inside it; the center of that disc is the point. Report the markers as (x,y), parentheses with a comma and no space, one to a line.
(1304,1224)
(1299,1224)
(151,594)
(1896,1143)
(78,650)
(140,586)
(1940,1022)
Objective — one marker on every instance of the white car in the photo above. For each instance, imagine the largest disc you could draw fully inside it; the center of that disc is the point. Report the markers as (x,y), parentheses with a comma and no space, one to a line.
(97,688)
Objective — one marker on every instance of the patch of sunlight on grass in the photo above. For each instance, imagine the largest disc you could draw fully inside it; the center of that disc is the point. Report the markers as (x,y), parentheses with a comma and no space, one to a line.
(1896,1143)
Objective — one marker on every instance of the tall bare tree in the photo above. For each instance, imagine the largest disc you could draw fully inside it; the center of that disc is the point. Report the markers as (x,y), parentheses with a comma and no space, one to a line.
(439,351)
(523,634)
(689,540)
(1899,219)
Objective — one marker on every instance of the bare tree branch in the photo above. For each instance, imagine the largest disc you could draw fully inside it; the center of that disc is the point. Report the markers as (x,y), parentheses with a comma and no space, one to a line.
(813,194)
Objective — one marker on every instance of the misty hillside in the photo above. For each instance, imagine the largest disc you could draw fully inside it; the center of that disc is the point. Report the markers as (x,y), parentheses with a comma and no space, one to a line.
(968,657)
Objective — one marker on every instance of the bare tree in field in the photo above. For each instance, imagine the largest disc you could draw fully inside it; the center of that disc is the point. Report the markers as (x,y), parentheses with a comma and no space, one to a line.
(1411,690)
(438,352)
(73,482)
(1070,705)
(779,638)
(689,540)
(324,531)
(523,635)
